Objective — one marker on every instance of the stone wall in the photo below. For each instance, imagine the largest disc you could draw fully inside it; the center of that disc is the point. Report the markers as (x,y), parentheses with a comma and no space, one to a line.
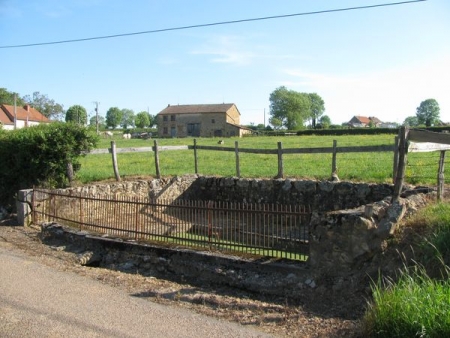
(320,195)
(350,221)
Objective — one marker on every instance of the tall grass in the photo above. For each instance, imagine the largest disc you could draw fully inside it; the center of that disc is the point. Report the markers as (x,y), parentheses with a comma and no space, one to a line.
(418,304)
(415,306)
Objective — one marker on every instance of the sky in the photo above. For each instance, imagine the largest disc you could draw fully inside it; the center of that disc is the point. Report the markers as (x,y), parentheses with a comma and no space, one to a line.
(380,61)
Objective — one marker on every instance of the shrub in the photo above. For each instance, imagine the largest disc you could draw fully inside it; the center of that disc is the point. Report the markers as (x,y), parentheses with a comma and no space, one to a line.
(39,156)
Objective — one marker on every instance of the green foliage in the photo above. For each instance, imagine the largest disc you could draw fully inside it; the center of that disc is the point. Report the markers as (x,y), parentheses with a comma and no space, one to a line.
(7,97)
(127,118)
(142,119)
(113,117)
(411,121)
(101,122)
(45,106)
(77,114)
(317,107)
(428,112)
(39,156)
(289,107)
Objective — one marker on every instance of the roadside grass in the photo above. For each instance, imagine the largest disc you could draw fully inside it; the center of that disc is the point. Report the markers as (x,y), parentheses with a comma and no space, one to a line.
(418,303)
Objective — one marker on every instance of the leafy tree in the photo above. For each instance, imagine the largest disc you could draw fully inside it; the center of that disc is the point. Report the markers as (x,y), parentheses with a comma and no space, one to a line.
(45,106)
(77,114)
(276,123)
(7,97)
(142,119)
(127,118)
(101,122)
(324,122)
(153,121)
(113,117)
(290,107)
(40,155)
(317,108)
(411,121)
(428,112)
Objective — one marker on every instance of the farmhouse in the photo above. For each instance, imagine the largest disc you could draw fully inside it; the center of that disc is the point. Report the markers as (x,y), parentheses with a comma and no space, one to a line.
(20,117)
(205,120)
(362,121)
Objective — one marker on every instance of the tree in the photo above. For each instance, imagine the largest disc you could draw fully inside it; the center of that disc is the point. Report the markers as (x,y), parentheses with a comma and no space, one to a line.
(324,122)
(289,107)
(153,120)
(428,112)
(142,119)
(7,97)
(317,108)
(101,122)
(127,118)
(45,106)
(77,114)
(411,121)
(113,117)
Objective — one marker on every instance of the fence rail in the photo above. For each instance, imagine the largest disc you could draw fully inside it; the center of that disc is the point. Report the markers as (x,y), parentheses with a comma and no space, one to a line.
(279,151)
(258,229)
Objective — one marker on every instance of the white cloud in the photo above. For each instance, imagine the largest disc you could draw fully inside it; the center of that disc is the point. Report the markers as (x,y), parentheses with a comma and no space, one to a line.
(226,49)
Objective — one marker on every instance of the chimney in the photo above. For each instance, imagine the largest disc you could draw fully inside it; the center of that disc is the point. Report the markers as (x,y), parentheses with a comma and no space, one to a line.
(27,107)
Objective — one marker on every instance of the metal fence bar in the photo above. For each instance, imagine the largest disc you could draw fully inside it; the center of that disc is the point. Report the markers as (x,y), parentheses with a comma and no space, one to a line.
(262,229)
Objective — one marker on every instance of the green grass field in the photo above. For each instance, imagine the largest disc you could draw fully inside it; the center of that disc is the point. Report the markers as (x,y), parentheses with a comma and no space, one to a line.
(368,167)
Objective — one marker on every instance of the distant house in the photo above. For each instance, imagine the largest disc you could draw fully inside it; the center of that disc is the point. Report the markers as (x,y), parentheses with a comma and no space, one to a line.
(362,121)
(201,120)
(20,117)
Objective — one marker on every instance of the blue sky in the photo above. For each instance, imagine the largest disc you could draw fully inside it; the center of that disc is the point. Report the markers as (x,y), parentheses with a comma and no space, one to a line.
(372,62)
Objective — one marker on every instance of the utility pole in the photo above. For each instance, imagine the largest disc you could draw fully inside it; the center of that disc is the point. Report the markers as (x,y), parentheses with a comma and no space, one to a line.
(15,111)
(96,115)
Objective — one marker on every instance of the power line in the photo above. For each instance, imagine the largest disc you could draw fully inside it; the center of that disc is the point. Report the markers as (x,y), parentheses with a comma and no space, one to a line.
(211,24)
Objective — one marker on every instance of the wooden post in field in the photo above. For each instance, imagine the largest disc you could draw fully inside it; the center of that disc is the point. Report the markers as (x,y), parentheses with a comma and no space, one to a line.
(195,156)
(280,160)
(158,172)
(333,160)
(114,160)
(441,180)
(236,151)
(394,172)
(402,151)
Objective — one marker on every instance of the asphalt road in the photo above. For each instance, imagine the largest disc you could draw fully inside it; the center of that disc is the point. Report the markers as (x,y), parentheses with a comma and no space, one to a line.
(38,301)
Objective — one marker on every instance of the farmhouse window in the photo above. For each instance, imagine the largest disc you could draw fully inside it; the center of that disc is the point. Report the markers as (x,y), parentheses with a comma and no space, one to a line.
(165,118)
(172,117)
(165,131)
(213,121)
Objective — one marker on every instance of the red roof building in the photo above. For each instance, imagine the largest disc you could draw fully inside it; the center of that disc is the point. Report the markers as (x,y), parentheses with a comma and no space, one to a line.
(20,117)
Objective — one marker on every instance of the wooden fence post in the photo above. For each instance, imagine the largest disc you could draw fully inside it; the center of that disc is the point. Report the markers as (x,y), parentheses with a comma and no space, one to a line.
(441,180)
(280,160)
(158,172)
(333,159)
(402,151)
(195,156)
(114,160)
(236,152)
(395,168)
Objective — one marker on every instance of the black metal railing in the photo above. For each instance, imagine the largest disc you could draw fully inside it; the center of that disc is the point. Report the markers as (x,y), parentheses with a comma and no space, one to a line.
(260,229)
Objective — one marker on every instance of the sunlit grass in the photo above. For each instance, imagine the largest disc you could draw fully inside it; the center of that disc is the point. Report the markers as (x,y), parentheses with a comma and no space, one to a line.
(369,167)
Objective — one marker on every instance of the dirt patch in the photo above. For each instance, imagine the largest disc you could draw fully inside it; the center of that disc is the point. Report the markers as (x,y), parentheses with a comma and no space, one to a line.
(317,313)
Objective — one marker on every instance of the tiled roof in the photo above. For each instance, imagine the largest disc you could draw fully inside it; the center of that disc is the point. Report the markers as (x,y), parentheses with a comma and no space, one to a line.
(196,109)
(23,113)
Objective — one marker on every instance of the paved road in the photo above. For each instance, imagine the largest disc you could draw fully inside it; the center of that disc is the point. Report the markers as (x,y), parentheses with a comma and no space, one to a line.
(38,301)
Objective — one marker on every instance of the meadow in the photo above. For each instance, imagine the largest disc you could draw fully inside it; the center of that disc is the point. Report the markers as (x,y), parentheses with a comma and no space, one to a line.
(374,167)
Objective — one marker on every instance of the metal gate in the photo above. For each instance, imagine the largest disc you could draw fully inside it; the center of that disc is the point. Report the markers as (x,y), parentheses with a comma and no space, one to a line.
(271,230)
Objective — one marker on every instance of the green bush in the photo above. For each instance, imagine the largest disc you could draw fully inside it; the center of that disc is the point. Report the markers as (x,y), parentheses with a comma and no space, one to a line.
(39,156)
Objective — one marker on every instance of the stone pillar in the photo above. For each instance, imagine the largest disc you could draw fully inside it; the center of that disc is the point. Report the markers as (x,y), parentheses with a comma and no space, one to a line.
(23,206)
